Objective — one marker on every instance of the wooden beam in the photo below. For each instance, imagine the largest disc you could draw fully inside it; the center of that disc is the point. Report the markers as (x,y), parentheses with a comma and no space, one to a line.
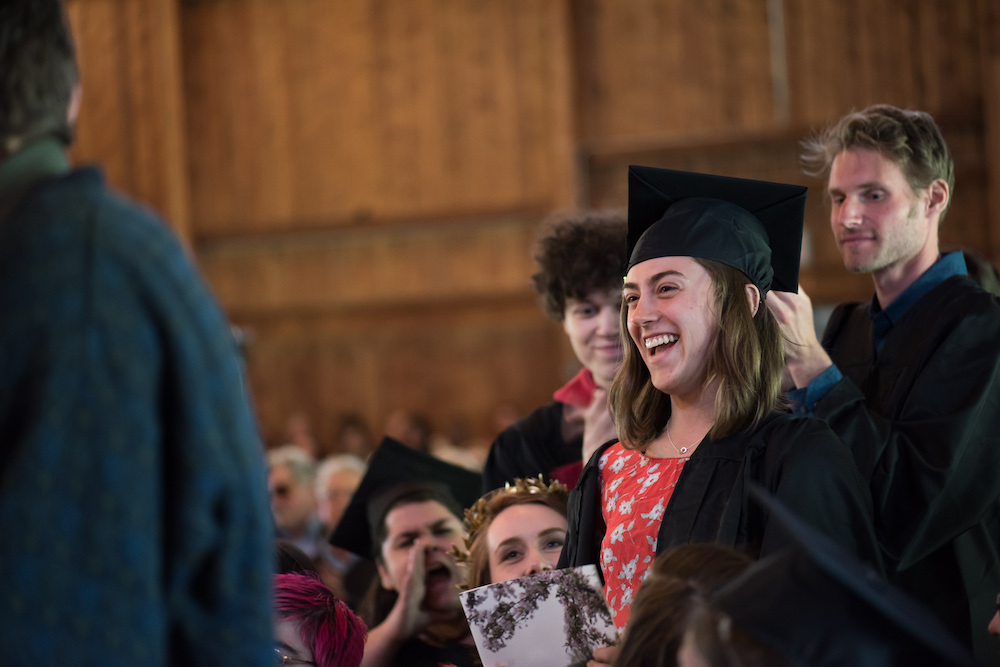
(989,26)
(370,267)
(132,114)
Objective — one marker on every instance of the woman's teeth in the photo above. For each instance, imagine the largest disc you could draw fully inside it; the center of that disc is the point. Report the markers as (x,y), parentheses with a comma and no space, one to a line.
(661,340)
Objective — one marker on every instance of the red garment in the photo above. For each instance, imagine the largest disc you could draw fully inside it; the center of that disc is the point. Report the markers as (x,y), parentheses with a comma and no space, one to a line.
(579,391)
(635,490)
(568,474)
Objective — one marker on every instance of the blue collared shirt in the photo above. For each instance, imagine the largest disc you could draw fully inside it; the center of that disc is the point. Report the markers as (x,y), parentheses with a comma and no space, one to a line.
(953,264)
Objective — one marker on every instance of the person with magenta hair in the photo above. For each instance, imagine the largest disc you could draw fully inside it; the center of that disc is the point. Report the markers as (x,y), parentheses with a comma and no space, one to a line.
(314,627)
(697,401)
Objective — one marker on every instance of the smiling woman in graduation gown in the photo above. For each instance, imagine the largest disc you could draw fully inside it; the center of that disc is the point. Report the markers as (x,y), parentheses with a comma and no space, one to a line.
(697,403)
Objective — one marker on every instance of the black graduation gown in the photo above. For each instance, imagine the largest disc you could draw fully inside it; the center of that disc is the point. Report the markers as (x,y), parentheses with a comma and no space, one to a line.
(923,421)
(416,653)
(531,446)
(799,461)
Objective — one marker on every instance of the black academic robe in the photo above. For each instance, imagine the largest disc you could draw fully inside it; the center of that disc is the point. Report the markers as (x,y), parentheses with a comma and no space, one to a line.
(531,446)
(416,653)
(799,461)
(923,422)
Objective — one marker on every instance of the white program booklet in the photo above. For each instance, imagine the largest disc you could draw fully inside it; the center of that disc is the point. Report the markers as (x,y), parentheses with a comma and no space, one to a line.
(550,619)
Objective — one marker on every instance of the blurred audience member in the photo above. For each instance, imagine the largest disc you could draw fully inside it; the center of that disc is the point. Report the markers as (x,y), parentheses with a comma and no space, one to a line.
(312,626)
(291,479)
(679,577)
(352,436)
(289,558)
(298,432)
(349,575)
(814,604)
(457,446)
(409,428)
(337,479)
(981,270)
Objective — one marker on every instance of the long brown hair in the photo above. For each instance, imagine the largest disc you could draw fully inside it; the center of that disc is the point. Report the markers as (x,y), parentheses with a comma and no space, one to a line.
(746,357)
(678,580)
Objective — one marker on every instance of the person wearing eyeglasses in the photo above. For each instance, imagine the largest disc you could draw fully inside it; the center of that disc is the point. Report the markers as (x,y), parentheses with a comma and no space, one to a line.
(291,480)
(313,626)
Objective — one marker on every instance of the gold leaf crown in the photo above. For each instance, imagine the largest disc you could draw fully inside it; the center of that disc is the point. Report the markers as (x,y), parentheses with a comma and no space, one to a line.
(480,513)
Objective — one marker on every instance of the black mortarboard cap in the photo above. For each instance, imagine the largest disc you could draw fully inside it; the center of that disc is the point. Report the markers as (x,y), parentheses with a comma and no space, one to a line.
(393,471)
(817,605)
(753,226)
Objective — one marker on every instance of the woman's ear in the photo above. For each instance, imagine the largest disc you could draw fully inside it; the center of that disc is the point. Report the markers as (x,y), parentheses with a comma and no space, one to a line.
(753,297)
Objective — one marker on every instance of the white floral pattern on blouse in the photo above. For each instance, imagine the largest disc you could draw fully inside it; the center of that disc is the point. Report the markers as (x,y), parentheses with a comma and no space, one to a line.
(635,490)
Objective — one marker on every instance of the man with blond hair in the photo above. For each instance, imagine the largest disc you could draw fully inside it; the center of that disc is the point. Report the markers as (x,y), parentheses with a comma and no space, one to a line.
(910,380)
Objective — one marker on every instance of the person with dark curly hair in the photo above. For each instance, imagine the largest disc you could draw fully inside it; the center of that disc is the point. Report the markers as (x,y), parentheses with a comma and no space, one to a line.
(581,257)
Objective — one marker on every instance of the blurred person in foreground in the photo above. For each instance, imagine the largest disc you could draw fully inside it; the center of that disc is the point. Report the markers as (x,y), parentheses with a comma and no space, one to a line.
(580,258)
(681,577)
(814,604)
(132,495)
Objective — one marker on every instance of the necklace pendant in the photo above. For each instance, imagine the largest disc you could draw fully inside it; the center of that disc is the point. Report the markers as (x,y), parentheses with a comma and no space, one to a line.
(684,450)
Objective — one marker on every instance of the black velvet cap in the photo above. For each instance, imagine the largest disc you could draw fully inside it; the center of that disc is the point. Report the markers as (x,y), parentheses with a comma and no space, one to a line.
(396,470)
(817,605)
(753,226)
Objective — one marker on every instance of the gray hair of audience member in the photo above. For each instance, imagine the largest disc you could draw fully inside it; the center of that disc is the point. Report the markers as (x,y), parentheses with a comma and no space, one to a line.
(38,61)
(331,465)
(910,139)
(300,464)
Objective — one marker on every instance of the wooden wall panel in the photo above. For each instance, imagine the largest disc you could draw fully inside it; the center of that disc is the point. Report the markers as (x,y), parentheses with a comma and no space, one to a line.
(362,180)
(368,269)
(312,113)
(650,67)
(989,25)
(131,116)
(910,53)
(444,362)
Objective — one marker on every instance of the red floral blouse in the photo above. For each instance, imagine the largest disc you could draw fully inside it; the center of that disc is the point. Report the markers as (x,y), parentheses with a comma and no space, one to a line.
(635,490)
